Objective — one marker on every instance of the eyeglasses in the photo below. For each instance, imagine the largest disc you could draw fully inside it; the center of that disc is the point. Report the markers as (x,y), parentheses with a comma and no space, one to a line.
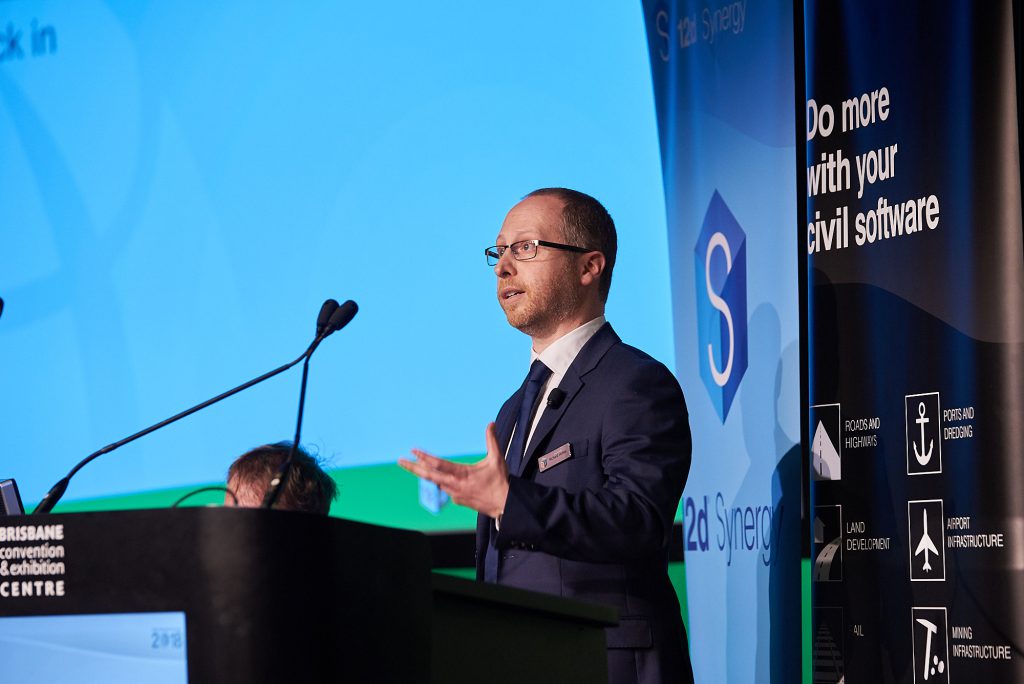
(524,250)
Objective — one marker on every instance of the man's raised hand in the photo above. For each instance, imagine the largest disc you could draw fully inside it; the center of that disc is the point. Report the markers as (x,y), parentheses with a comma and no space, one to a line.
(482,486)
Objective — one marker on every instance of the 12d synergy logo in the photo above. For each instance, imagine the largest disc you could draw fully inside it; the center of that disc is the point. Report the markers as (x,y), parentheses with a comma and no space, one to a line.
(721,271)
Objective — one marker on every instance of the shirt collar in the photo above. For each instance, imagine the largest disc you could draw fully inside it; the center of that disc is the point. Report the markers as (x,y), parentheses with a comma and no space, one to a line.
(560,354)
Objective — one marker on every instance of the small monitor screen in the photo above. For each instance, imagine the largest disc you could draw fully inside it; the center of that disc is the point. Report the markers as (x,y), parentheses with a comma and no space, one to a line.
(10,500)
(121,647)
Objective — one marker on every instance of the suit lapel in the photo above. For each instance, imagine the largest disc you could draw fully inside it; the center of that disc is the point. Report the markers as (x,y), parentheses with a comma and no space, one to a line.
(572,382)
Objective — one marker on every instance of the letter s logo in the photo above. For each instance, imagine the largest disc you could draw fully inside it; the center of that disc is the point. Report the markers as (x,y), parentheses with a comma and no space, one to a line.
(718,241)
(661,26)
(721,295)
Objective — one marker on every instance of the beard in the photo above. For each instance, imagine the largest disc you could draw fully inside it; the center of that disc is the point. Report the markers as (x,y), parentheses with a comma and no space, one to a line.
(546,304)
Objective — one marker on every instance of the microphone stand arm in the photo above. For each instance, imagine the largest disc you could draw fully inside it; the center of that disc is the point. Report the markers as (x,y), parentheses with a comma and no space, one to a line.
(338,320)
(280,479)
(57,491)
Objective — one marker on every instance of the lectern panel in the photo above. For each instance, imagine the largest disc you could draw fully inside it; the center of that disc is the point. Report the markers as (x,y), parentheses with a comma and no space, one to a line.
(268,596)
(115,647)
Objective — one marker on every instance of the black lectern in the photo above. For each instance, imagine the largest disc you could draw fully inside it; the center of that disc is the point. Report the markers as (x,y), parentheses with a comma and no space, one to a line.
(266,596)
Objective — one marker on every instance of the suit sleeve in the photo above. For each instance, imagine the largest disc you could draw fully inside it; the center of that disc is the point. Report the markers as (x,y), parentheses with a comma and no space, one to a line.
(644,447)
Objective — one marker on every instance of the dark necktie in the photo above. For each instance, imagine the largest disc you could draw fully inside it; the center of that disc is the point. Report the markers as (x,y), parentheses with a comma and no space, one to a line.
(539,374)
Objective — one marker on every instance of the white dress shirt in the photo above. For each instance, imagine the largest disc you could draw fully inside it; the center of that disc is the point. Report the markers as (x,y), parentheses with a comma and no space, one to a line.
(558,356)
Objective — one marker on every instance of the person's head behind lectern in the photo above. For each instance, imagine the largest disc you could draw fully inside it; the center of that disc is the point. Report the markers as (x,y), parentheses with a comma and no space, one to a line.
(309,489)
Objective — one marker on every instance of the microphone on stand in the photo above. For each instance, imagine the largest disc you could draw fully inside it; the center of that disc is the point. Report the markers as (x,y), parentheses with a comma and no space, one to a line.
(338,319)
(327,309)
(327,312)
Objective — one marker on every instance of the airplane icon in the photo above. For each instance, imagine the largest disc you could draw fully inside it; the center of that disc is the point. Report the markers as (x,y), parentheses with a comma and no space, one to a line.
(926,545)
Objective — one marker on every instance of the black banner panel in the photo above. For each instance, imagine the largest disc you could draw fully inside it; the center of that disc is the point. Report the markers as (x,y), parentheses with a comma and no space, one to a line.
(915,315)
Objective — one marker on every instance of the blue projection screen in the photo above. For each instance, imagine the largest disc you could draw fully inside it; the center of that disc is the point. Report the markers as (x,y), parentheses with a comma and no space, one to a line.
(184,183)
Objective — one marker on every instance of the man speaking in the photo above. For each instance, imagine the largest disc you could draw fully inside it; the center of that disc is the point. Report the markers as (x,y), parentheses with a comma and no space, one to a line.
(586,462)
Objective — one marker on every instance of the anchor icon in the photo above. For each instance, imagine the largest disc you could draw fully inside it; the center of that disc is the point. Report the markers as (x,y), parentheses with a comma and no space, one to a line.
(923,458)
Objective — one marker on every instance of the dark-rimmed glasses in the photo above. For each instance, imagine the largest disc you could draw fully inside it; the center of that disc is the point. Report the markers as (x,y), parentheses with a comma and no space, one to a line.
(524,250)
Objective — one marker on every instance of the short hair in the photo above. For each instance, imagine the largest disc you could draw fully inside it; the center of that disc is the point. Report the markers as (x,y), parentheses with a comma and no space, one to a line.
(586,223)
(308,487)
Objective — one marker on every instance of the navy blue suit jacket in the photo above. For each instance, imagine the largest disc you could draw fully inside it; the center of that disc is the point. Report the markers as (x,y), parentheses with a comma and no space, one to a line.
(596,526)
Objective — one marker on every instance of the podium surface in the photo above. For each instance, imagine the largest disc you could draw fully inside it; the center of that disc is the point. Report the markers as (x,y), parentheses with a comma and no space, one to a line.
(241,595)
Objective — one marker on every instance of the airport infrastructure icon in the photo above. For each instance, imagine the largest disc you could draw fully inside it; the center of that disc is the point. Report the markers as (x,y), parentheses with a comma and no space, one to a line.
(931,646)
(828,544)
(924,433)
(826,442)
(926,523)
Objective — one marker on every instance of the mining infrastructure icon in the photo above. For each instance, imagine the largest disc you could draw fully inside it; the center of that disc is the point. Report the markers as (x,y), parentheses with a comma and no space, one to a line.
(931,646)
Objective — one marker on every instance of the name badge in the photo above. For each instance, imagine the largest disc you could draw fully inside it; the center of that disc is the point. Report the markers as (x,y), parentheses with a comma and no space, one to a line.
(553,458)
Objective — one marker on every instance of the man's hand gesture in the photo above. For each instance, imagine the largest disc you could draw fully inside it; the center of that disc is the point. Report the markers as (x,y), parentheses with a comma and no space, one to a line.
(482,486)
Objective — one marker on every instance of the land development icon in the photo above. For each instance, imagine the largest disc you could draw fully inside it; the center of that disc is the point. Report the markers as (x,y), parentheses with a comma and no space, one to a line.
(931,646)
(828,544)
(826,442)
(926,522)
(924,433)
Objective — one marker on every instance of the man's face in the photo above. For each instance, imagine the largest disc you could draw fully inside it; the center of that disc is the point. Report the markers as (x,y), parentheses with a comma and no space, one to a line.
(538,294)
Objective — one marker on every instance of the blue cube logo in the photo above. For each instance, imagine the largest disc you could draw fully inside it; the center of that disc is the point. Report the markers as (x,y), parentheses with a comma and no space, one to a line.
(721,277)
(432,497)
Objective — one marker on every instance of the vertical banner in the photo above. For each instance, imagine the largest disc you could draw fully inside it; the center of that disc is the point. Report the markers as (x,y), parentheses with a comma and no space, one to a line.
(915,312)
(723,80)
